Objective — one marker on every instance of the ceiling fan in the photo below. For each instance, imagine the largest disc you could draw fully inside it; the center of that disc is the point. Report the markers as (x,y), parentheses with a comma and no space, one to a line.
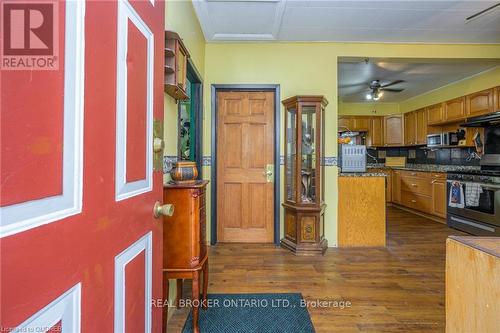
(376,90)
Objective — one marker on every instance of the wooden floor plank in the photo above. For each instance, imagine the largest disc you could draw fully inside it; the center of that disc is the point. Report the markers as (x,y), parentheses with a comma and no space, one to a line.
(395,289)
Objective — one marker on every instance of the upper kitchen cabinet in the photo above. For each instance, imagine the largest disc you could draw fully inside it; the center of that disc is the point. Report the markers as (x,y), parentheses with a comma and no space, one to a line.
(497,98)
(176,56)
(354,123)
(394,130)
(410,128)
(454,110)
(421,127)
(345,123)
(361,124)
(435,114)
(480,103)
(375,136)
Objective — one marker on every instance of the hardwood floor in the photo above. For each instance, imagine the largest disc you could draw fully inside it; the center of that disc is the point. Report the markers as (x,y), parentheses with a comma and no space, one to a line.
(395,289)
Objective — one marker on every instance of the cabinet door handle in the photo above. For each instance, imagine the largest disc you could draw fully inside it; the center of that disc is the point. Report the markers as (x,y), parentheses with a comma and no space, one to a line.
(414,201)
(413,174)
(414,185)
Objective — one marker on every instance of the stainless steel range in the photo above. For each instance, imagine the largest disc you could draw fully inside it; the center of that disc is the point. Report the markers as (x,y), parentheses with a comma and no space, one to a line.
(480,216)
(483,219)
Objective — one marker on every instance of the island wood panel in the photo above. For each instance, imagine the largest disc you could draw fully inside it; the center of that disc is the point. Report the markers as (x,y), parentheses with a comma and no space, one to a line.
(472,284)
(388,184)
(361,211)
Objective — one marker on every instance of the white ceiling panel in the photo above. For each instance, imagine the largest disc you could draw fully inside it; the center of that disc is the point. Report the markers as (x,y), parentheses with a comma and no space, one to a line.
(357,21)
(419,75)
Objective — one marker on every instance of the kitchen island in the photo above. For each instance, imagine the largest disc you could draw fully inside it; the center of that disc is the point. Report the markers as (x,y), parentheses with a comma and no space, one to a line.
(362,209)
(472,284)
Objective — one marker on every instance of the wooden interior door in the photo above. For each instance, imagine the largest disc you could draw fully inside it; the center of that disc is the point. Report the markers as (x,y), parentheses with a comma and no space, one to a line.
(80,248)
(245,147)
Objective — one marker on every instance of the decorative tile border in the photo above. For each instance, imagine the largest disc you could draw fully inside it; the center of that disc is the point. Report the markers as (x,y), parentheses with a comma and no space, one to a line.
(207,161)
(327,161)
(168,162)
(330,160)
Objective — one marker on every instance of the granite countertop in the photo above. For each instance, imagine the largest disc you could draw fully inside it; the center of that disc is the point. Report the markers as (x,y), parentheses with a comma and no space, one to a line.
(426,167)
(362,174)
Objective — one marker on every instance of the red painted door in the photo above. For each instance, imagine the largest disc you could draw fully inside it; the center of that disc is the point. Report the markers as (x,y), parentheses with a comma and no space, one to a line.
(80,248)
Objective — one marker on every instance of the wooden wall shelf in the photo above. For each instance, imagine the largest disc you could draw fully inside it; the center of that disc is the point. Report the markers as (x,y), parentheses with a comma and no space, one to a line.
(176,56)
(175,92)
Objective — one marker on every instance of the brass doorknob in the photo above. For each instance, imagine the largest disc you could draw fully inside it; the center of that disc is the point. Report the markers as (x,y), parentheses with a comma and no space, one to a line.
(163,210)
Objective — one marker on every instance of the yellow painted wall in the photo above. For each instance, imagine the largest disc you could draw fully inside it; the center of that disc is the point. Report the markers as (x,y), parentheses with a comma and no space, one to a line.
(485,80)
(181,18)
(310,68)
(367,109)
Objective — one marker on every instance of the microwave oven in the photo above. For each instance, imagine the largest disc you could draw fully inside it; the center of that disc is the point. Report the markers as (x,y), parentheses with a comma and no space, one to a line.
(442,139)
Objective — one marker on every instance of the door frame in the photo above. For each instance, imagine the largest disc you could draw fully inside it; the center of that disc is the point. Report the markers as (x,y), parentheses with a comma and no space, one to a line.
(275,88)
(197,103)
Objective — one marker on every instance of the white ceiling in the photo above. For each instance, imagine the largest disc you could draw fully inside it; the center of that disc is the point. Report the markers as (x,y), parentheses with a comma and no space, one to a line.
(420,75)
(429,21)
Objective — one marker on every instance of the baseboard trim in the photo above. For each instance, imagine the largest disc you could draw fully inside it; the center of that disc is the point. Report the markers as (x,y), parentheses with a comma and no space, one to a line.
(416,212)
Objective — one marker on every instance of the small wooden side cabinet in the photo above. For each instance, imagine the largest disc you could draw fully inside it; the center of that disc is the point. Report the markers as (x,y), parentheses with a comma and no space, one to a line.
(184,243)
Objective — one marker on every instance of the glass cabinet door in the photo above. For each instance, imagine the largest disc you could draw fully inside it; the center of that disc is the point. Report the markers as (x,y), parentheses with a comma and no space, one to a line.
(291,153)
(308,155)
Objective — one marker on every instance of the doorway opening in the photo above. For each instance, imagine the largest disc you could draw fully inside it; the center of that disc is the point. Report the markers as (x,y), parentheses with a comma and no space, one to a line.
(190,121)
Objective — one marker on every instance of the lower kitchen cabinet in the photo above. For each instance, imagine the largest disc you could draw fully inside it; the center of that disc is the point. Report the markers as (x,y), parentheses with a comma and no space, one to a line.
(421,191)
(439,197)
(396,186)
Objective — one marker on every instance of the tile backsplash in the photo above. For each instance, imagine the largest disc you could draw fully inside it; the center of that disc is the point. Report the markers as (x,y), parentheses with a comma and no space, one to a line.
(417,155)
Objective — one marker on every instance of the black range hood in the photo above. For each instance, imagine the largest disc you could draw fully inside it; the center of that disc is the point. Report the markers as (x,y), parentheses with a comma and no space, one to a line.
(491,119)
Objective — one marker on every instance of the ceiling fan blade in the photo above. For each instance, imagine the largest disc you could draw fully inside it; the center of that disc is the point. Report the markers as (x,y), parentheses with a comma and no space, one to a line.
(392,83)
(392,89)
(359,93)
(352,85)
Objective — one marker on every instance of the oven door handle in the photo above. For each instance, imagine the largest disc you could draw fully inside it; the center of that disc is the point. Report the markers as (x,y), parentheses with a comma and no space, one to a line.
(488,187)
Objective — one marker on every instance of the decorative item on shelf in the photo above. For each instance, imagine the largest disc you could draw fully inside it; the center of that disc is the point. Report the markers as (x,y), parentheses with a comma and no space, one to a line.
(304,182)
(478,143)
(307,141)
(462,141)
(184,172)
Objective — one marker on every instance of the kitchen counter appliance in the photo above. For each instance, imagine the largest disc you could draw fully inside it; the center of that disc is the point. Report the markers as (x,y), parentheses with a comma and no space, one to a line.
(442,139)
